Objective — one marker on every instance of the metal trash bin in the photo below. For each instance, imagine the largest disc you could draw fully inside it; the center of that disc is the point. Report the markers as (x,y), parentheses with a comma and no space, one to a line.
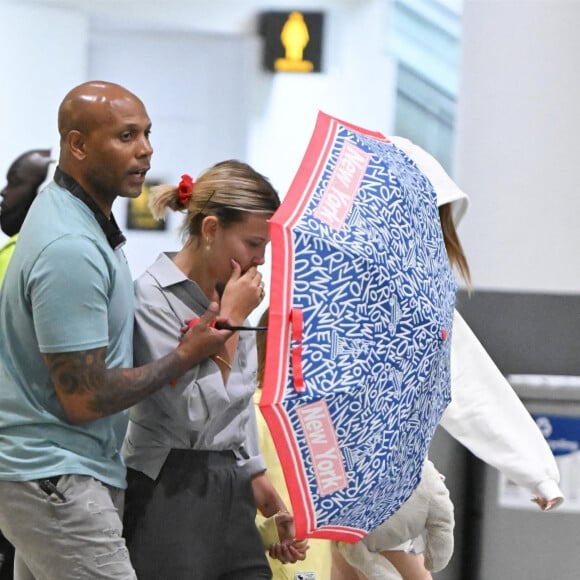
(516,540)
(533,337)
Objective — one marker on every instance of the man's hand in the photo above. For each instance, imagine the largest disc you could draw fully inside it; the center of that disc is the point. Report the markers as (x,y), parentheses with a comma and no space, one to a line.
(201,340)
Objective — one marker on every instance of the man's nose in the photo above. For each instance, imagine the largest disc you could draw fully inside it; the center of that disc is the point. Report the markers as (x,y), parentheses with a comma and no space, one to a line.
(145,147)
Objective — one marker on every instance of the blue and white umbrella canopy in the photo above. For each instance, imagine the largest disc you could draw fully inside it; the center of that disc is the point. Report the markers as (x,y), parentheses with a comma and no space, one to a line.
(358,344)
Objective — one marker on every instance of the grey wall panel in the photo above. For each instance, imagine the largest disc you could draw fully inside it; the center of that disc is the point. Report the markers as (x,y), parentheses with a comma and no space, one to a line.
(524,332)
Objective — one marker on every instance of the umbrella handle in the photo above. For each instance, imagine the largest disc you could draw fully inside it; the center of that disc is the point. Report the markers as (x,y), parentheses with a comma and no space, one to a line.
(225,326)
(297,321)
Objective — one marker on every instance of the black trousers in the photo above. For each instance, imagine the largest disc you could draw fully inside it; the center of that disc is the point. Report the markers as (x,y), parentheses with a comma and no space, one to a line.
(6,559)
(195,522)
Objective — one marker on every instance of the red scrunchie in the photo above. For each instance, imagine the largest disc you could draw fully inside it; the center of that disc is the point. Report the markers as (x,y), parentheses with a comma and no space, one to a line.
(184,190)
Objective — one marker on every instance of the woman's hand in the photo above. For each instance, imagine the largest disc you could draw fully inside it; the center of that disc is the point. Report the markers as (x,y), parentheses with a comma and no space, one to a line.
(242,294)
(288,550)
(547,504)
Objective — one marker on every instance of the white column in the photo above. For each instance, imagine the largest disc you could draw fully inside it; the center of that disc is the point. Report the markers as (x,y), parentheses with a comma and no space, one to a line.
(518,149)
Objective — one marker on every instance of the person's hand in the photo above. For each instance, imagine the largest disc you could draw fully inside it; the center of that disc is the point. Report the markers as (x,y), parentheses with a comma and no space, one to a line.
(547,504)
(242,294)
(285,526)
(288,550)
(201,340)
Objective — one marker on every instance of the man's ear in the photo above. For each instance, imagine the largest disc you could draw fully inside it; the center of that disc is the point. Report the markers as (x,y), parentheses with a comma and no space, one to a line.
(76,143)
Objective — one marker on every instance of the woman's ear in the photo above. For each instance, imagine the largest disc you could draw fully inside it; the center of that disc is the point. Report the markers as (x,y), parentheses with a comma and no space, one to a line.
(209,227)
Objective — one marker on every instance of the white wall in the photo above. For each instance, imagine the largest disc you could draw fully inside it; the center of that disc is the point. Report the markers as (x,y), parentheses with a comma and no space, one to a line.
(43,53)
(357,85)
(517,124)
(197,88)
(517,144)
(273,126)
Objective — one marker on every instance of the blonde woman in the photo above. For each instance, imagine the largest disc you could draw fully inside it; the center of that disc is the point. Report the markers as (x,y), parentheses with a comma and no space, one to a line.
(191,448)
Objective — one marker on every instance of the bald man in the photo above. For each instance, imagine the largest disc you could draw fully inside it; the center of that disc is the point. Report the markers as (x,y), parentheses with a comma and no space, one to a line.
(66,321)
(25,175)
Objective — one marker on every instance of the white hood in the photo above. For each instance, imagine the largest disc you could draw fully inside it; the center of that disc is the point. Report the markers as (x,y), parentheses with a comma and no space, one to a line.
(485,414)
(446,189)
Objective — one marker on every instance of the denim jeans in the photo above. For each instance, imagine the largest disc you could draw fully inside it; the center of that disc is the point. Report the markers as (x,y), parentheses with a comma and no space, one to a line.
(67,528)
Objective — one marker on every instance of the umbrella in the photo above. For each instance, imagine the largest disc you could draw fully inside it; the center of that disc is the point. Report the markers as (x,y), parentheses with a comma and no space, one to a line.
(357,359)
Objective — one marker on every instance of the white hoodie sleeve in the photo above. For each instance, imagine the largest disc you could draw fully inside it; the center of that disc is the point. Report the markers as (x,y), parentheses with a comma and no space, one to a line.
(486,416)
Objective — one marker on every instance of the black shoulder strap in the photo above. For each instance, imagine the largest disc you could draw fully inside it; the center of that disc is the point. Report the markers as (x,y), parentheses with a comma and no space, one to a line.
(112,231)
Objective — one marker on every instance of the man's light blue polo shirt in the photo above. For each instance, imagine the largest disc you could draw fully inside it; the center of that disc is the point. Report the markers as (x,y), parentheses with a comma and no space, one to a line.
(65,290)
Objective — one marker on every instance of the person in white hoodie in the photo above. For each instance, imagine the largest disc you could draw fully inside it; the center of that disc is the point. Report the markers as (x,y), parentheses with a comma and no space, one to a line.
(485,414)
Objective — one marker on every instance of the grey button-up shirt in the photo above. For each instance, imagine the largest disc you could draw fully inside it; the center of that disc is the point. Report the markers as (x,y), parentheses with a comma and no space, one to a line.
(200,412)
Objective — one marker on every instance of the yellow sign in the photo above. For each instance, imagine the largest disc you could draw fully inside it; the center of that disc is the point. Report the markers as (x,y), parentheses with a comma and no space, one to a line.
(294,38)
(139,215)
(293,41)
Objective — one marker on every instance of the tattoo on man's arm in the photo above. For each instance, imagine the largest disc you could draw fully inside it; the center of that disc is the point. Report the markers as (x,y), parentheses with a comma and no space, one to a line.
(105,391)
(77,373)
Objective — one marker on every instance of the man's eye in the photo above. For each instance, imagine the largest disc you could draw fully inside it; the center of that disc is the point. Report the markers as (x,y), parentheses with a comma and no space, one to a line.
(126,136)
